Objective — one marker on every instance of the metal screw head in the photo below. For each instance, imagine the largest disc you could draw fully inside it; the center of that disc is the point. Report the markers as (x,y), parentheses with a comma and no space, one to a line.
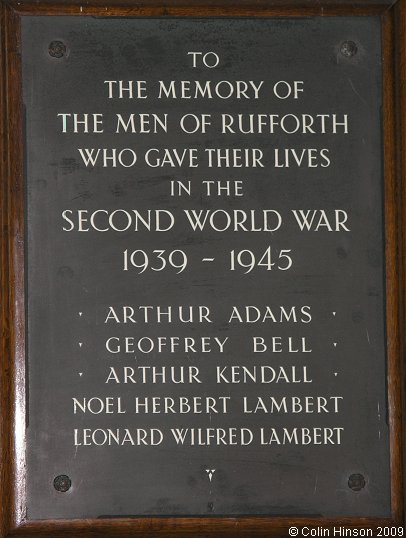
(356,482)
(348,49)
(62,483)
(57,49)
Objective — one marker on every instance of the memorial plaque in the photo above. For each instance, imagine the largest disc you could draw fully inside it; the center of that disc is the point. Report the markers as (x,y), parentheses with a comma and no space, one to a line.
(204,322)
(205,267)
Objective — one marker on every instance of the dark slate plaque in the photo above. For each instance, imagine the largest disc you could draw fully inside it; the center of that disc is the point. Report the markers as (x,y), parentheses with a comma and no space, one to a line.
(286,443)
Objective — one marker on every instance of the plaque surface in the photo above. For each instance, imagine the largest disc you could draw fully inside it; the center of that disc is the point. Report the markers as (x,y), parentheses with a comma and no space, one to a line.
(205,267)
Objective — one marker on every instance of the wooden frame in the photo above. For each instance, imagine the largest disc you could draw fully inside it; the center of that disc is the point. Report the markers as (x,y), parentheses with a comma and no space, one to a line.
(12,369)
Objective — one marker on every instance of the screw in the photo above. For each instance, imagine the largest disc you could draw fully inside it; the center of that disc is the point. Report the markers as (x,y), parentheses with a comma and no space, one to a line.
(356,482)
(62,483)
(57,49)
(348,49)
